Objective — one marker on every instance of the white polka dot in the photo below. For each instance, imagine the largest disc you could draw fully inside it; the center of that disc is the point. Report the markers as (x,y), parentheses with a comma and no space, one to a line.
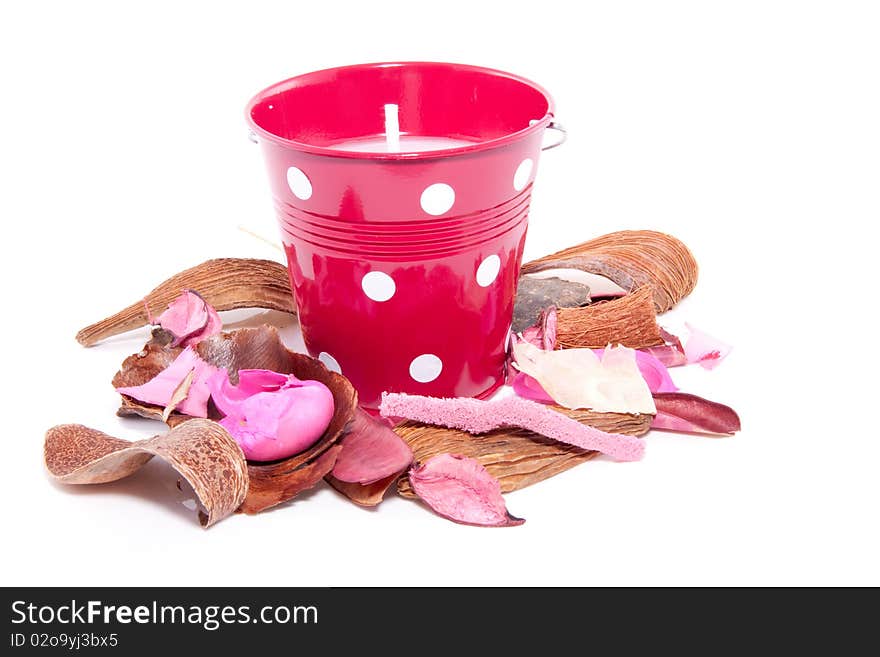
(299,183)
(523,171)
(378,285)
(425,368)
(329,362)
(437,198)
(488,270)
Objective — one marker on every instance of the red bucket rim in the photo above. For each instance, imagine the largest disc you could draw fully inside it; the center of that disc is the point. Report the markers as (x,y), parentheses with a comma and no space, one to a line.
(538,126)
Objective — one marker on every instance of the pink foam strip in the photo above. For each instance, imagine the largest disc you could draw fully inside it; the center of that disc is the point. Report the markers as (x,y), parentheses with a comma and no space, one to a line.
(477,416)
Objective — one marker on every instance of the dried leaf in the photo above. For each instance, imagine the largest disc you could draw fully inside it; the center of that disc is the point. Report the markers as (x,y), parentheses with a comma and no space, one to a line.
(632,259)
(516,457)
(629,320)
(478,416)
(686,413)
(533,295)
(460,489)
(202,452)
(224,283)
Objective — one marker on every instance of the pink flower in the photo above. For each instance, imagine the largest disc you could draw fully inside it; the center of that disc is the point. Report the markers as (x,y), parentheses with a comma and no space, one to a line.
(270,415)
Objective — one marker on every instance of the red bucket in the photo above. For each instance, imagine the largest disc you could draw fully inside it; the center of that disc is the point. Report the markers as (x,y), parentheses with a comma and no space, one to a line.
(404,226)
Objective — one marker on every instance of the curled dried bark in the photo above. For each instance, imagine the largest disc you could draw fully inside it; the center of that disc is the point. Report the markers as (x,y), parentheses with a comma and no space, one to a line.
(632,259)
(225,283)
(517,458)
(253,348)
(629,320)
(202,452)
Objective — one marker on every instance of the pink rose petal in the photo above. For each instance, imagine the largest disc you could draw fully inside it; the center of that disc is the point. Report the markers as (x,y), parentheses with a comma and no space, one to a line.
(460,489)
(160,389)
(190,319)
(528,388)
(683,412)
(185,316)
(479,416)
(227,397)
(534,335)
(213,326)
(272,415)
(668,355)
(371,451)
(654,372)
(702,348)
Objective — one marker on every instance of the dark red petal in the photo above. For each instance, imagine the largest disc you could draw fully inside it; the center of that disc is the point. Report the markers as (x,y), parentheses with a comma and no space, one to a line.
(371,451)
(680,411)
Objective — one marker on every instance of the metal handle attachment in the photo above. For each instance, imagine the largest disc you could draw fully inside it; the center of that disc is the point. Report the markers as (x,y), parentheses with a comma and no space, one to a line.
(253,136)
(561,137)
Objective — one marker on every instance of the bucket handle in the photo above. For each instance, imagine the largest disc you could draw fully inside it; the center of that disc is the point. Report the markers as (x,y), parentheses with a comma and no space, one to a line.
(561,136)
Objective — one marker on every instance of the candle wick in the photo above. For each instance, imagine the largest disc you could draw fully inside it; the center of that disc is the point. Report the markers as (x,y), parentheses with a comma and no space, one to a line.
(392,128)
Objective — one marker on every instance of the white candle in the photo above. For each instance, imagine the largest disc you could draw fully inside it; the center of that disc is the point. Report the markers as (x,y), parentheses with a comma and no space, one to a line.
(392,129)
(407,144)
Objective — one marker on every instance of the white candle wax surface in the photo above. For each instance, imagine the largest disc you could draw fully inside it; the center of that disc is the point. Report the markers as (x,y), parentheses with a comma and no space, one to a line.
(408,144)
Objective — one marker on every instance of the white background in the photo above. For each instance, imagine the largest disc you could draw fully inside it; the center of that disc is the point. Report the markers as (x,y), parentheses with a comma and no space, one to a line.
(747,129)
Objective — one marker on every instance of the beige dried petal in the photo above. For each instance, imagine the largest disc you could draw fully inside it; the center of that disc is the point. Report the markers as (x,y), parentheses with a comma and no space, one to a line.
(578,378)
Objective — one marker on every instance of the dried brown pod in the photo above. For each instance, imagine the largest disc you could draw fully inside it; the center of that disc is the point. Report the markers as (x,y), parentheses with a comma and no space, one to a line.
(253,348)
(632,259)
(515,457)
(201,451)
(533,295)
(225,283)
(628,320)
